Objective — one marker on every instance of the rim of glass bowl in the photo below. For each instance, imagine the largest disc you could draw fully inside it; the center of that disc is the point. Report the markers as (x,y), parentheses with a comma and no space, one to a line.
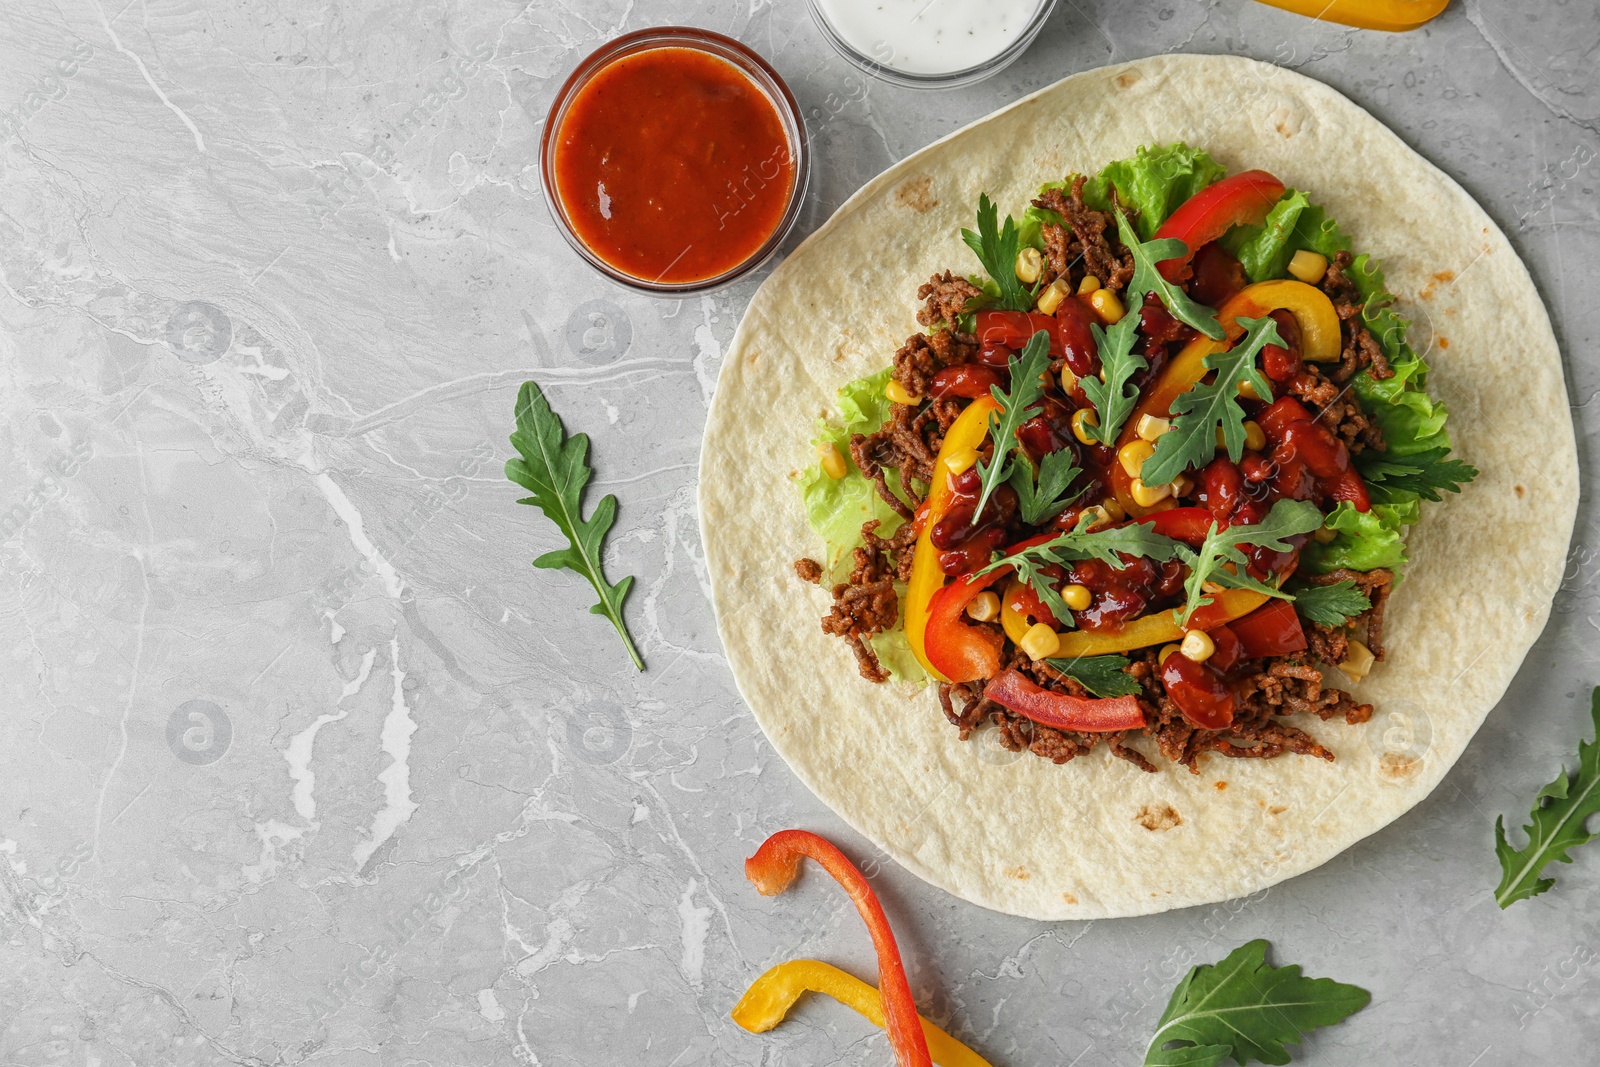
(948,80)
(757,69)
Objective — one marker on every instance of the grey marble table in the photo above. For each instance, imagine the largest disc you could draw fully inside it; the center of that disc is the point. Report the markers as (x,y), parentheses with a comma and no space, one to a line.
(302,762)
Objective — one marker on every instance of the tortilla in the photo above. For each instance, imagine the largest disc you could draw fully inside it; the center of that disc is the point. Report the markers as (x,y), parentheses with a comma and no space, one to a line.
(1098,837)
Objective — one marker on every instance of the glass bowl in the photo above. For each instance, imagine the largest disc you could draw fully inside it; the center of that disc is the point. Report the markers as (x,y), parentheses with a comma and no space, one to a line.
(877,61)
(753,67)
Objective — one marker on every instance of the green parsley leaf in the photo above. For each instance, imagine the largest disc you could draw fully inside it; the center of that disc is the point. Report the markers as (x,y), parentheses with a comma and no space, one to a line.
(1147,279)
(1246,1008)
(1192,440)
(1330,605)
(1049,497)
(996,247)
(1560,812)
(1222,547)
(552,468)
(1104,676)
(1423,473)
(1027,370)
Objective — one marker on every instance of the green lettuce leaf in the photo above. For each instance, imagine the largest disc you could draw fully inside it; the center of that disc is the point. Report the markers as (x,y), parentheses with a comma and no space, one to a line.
(1153,183)
(836,507)
(1365,540)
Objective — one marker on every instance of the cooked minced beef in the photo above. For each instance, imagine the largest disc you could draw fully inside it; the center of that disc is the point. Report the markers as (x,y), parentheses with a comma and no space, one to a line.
(866,603)
(1114,267)
(808,570)
(945,298)
(1376,584)
(1361,350)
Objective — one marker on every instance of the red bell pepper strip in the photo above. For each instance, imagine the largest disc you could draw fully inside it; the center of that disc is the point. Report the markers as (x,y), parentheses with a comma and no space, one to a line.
(773,868)
(961,652)
(1242,200)
(1062,711)
(1271,630)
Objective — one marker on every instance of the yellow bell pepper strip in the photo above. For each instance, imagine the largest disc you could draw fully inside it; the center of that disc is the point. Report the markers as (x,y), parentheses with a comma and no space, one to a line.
(770,997)
(1396,16)
(927,578)
(1160,628)
(1320,342)
(773,868)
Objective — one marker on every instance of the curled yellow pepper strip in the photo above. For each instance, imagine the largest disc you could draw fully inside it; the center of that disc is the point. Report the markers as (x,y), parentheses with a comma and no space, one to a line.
(770,997)
(969,430)
(1395,16)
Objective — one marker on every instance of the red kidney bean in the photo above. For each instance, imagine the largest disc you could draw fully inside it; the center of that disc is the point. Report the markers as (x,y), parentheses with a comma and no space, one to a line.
(970,380)
(1221,485)
(1200,693)
(1077,340)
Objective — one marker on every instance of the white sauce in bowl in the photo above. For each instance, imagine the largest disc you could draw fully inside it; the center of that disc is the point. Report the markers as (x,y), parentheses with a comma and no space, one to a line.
(929,36)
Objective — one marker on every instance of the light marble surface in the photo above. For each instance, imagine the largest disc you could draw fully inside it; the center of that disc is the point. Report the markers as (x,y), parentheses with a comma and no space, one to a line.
(302,761)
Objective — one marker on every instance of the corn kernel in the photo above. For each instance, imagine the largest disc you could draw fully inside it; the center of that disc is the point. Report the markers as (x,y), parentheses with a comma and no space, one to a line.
(899,394)
(1097,517)
(985,607)
(1182,485)
(1151,427)
(1308,266)
(1222,442)
(1166,650)
(1147,496)
(961,460)
(833,464)
(1358,661)
(1082,419)
(1255,438)
(1210,587)
(1051,296)
(1089,284)
(1107,306)
(1078,597)
(1197,646)
(1113,509)
(1040,641)
(1248,391)
(1030,264)
(1068,379)
(1133,454)
(1322,535)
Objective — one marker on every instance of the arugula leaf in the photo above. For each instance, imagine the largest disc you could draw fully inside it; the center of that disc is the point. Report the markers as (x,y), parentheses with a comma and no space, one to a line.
(1192,440)
(1049,497)
(552,468)
(1104,676)
(1222,547)
(1423,473)
(1330,605)
(1560,812)
(996,247)
(1108,546)
(1248,1009)
(1147,279)
(1027,369)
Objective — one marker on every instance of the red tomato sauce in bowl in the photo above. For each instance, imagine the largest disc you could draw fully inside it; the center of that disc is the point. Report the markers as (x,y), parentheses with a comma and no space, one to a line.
(674,160)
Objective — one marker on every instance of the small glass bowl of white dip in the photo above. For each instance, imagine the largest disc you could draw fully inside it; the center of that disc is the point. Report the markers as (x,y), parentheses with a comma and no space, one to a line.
(931,44)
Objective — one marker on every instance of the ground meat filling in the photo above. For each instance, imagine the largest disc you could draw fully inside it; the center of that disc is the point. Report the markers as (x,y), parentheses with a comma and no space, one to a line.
(1088,241)
(945,297)
(900,459)
(1376,584)
(866,602)
(1361,351)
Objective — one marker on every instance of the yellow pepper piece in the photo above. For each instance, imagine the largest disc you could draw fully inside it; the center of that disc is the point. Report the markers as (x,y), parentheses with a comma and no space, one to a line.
(1393,15)
(968,431)
(770,997)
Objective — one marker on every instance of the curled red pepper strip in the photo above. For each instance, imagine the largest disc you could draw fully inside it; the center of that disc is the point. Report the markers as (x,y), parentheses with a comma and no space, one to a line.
(774,867)
(1062,711)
